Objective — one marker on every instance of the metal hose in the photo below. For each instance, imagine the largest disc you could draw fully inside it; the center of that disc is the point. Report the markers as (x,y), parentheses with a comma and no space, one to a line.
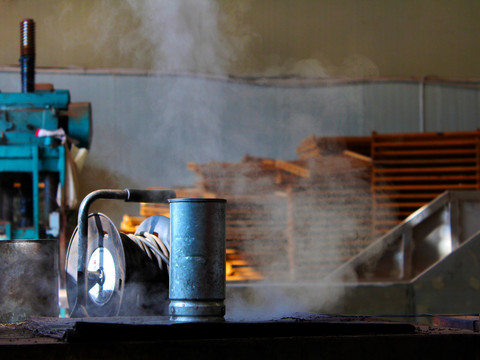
(153,247)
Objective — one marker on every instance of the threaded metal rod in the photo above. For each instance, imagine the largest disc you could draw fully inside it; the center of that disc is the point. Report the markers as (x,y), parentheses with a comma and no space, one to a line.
(27,55)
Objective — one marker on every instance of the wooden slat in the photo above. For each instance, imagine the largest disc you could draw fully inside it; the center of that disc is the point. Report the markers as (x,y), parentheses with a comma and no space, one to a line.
(424,136)
(411,162)
(358,156)
(382,195)
(425,187)
(419,152)
(430,143)
(292,168)
(442,169)
(424,178)
(389,213)
(401,205)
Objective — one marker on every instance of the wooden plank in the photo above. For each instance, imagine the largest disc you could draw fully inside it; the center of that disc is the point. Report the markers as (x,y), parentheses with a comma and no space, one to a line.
(423,178)
(429,143)
(307,144)
(424,187)
(389,213)
(192,166)
(411,162)
(402,205)
(388,223)
(315,153)
(417,152)
(358,156)
(426,136)
(406,196)
(292,168)
(359,144)
(441,169)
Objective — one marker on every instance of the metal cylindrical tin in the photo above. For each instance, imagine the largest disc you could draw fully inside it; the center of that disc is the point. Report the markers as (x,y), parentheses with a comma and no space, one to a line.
(29,285)
(197,259)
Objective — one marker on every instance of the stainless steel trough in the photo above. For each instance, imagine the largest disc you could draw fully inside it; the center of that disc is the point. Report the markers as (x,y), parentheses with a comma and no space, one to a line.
(428,264)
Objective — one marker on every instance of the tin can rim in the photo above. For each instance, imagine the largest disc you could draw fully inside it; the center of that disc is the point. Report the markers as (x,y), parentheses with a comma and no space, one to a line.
(197,200)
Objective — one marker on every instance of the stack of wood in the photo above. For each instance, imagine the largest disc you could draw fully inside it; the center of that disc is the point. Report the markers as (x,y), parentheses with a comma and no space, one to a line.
(256,214)
(130,223)
(294,219)
(410,170)
(252,175)
(256,232)
(299,220)
(314,146)
(240,265)
(330,214)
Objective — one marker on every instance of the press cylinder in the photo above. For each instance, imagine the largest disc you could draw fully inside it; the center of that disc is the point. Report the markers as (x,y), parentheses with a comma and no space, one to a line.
(197,259)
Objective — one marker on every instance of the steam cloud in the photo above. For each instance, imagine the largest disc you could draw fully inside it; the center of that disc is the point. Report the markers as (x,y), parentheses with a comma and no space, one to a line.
(198,36)
(321,233)
(318,66)
(189,37)
(185,35)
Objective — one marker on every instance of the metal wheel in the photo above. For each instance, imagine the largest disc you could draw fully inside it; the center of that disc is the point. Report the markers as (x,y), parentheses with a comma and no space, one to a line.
(106,268)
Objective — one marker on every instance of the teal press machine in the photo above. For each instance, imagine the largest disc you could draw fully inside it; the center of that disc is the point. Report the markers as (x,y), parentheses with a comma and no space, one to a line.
(37,126)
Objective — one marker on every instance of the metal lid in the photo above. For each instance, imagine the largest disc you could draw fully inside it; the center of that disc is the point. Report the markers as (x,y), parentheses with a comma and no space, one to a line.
(199,200)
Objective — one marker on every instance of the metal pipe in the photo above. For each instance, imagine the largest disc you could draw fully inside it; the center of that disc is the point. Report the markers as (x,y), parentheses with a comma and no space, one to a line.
(27,55)
(197,260)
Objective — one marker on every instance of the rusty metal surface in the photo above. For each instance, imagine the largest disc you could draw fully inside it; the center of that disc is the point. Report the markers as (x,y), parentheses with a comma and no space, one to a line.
(29,284)
(461,322)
